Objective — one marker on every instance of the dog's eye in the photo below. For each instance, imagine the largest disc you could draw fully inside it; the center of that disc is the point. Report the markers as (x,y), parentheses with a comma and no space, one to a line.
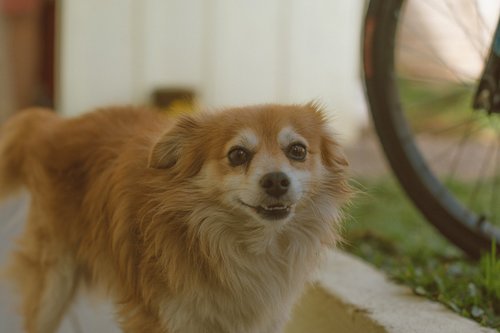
(238,156)
(297,151)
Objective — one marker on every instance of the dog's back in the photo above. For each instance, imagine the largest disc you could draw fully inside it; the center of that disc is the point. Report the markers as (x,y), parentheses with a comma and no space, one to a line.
(36,146)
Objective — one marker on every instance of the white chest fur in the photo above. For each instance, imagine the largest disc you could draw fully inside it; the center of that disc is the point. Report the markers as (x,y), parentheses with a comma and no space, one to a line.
(258,296)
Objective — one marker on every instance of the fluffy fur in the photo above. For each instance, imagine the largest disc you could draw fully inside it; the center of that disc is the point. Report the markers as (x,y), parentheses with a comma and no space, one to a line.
(151,211)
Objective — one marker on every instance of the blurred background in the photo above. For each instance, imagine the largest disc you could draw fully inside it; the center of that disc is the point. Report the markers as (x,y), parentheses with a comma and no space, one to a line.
(76,55)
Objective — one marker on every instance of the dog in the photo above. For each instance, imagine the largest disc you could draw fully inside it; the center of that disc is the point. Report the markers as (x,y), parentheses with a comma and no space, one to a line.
(208,222)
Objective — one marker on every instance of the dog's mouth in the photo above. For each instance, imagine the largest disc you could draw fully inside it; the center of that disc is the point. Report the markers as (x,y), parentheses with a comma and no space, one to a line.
(271,212)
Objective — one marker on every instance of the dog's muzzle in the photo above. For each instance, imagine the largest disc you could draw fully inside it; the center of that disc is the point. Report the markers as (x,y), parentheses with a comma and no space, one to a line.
(276,186)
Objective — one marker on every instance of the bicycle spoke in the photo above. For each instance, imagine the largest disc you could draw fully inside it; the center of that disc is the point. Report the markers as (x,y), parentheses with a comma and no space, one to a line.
(453,18)
(435,99)
(462,78)
(458,155)
(472,39)
(437,9)
(474,128)
(482,26)
(482,171)
(450,128)
(417,31)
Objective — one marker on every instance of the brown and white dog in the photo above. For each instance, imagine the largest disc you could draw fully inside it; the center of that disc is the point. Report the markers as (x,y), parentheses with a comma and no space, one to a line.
(207,223)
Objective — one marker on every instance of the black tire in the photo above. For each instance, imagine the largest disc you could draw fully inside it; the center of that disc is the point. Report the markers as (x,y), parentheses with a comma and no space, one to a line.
(462,226)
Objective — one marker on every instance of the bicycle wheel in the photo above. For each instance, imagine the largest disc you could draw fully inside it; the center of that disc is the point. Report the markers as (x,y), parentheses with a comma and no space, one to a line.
(445,155)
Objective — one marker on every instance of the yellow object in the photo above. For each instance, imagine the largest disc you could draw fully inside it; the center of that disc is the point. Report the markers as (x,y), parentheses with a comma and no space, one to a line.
(179,107)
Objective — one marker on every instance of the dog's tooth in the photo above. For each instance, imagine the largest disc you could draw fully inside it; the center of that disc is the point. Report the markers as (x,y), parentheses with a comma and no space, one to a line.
(271,208)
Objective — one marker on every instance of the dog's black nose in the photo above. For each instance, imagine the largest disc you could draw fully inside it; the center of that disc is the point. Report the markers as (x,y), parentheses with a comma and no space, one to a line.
(275,183)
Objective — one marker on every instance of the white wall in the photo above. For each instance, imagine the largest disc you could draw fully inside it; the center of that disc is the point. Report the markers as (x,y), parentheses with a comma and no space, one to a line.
(96,54)
(232,52)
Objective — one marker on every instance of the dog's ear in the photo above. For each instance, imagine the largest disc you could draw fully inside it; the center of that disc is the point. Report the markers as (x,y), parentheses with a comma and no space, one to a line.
(331,153)
(177,144)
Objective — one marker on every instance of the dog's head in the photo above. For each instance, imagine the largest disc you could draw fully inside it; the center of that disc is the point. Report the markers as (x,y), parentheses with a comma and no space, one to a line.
(264,164)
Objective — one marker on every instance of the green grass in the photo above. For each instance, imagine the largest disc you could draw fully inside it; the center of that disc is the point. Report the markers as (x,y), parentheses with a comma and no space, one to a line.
(490,266)
(387,231)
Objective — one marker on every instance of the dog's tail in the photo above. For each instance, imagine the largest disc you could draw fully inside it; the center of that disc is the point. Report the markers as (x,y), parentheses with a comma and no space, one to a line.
(20,138)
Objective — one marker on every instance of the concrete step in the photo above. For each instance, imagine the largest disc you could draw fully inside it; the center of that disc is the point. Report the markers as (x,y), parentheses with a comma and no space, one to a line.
(351,296)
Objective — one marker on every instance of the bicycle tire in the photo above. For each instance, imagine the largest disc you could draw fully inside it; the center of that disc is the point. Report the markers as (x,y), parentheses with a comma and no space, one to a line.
(464,228)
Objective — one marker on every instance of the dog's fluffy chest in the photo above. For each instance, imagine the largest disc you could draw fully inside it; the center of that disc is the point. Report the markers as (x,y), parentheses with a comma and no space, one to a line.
(250,301)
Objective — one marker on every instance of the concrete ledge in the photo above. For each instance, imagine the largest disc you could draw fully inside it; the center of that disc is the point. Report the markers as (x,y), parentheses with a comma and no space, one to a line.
(351,296)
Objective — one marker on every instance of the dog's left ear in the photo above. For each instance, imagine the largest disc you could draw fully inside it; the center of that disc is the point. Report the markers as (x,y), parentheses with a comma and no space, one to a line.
(176,145)
(331,153)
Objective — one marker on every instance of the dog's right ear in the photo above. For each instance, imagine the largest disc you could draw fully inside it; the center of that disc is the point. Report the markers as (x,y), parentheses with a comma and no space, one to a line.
(174,144)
